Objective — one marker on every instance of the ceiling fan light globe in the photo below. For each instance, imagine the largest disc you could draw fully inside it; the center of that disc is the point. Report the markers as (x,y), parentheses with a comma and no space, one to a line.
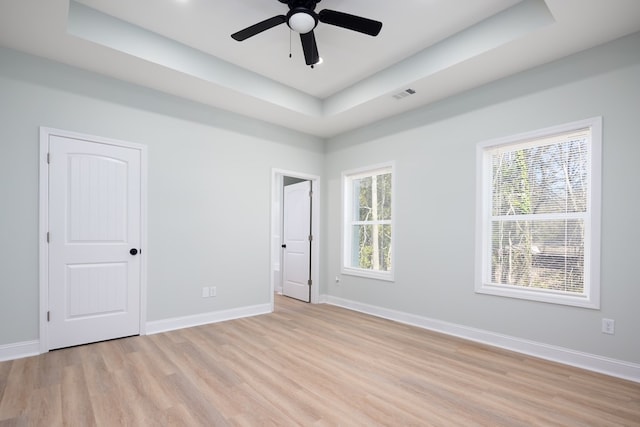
(302,22)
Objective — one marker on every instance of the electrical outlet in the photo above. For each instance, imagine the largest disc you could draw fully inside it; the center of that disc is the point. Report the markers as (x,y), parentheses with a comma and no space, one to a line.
(212,291)
(205,292)
(608,326)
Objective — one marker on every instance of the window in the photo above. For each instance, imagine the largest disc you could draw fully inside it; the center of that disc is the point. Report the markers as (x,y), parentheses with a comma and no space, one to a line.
(538,214)
(368,224)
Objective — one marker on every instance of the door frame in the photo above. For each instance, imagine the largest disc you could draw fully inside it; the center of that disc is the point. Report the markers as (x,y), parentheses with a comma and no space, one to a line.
(275,236)
(43,258)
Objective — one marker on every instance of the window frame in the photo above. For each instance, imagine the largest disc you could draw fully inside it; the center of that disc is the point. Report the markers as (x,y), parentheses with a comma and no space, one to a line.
(590,298)
(347,221)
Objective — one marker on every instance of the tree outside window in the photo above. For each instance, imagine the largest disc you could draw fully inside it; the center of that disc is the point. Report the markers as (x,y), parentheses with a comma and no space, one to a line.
(368,248)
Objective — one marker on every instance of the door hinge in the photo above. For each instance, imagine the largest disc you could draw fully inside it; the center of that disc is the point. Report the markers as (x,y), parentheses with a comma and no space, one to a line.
(48,237)
(311,193)
(310,237)
(309,282)
(48,158)
(48,316)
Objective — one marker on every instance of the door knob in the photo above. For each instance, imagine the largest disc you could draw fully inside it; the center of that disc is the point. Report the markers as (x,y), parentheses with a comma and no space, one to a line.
(133,251)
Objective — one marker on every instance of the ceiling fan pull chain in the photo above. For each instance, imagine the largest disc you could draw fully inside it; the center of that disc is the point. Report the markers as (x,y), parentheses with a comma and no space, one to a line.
(290,31)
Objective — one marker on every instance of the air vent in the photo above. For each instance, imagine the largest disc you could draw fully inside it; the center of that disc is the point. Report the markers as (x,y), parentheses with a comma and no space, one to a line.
(404,94)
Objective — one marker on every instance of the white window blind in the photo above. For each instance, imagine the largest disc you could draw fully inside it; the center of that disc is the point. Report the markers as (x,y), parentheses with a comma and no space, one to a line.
(539,200)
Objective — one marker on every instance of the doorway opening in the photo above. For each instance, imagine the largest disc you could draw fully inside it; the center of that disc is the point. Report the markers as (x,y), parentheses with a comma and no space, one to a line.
(280,180)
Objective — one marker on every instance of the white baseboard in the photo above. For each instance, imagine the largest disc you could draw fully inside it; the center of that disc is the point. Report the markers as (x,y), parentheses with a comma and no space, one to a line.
(172,324)
(32,348)
(19,350)
(617,368)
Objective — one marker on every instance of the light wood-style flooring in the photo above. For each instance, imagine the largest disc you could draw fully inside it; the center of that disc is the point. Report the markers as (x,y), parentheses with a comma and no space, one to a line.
(309,365)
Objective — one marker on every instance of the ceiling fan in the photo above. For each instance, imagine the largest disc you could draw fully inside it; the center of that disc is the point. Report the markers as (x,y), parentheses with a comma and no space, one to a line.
(302,19)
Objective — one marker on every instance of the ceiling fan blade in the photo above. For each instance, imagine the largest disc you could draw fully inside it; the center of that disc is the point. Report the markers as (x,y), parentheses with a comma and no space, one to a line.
(310,48)
(350,22)
(259,27)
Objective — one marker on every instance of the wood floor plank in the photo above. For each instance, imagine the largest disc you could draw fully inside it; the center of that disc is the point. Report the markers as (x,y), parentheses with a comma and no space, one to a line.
(311,365)
(45,407)
(142,404)
(189,395)
(179,416)
(21,382)
(14,422)
(150,380)
(77,406)
(5,368)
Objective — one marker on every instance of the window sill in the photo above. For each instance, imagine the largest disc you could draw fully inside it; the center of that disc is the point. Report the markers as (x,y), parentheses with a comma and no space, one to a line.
(538,295)
(369,274)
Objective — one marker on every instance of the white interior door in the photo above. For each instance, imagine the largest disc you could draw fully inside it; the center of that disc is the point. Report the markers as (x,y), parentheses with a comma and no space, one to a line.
(95,232)
(297,244)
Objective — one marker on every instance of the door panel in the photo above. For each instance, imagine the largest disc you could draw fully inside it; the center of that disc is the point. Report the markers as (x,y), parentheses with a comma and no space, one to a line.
(97,208)
(95,289)
(297,229)
(94,220)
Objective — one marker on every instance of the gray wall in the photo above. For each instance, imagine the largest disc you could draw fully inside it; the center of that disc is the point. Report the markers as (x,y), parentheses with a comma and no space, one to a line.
(434,150)
(201,230)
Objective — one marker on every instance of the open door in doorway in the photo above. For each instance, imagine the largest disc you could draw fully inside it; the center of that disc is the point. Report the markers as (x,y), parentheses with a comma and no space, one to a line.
(297,237)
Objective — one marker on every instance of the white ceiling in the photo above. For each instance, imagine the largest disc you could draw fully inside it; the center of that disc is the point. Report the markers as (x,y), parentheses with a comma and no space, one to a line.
(436,47)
